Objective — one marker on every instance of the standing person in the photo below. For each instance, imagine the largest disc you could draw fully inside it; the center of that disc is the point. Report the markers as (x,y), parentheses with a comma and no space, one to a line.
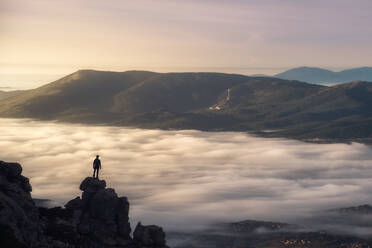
(96,166)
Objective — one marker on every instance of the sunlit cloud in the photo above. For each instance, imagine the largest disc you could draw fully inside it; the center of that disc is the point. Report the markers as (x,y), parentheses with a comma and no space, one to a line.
(187,179)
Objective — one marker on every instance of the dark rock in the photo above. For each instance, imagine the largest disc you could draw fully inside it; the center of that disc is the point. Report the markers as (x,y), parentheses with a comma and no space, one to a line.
(55,213)
(58,225)
(124,228)
(75,204)
(99,219)
(104,217)
(10,169)
(92,185)
(8,239)
(104,205)
(18,214)
(149,236)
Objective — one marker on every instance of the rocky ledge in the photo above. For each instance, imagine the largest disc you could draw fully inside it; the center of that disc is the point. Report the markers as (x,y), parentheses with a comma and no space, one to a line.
(97,219)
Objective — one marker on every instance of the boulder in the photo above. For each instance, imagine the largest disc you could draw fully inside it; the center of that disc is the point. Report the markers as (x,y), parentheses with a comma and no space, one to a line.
(92,185)
(149,236)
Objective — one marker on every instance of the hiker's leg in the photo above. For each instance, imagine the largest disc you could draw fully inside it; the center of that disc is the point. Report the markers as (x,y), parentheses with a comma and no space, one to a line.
(97,172)
(94,172)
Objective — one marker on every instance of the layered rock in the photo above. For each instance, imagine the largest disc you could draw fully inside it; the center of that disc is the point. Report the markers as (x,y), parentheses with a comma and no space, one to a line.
(97,219)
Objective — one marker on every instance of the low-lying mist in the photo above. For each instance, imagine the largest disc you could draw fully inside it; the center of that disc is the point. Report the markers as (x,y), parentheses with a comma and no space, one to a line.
(187,179)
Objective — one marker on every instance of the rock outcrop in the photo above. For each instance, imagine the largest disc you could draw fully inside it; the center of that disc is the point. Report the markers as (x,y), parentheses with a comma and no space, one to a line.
(149,236)
(18,214)
(97,219)
(101,216)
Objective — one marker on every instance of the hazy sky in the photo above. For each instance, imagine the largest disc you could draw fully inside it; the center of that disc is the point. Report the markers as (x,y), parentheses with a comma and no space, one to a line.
(43,39)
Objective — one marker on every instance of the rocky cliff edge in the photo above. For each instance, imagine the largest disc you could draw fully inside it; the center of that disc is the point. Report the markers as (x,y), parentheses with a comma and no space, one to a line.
(97,219)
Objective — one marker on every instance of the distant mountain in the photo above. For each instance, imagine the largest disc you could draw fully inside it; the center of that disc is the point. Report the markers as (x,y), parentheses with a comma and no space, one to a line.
(251,233)
(318,75)
(204,101)
(258,75)
(362,209)
(6,94)
(342,227)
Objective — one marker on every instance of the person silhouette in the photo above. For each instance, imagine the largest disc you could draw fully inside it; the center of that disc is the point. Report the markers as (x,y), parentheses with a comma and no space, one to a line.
(96,166)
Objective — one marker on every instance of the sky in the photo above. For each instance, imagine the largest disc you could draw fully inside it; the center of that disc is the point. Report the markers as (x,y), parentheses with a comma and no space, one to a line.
(42,40)
(188,179)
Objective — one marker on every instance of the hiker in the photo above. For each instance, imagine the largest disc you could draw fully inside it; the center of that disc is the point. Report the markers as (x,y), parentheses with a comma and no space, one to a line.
(96,166)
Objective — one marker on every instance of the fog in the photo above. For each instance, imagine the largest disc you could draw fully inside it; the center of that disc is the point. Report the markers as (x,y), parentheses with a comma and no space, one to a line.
(188,179)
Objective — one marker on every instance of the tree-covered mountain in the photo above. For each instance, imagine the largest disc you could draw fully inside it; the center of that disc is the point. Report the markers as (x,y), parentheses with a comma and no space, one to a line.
(205,101)
(318,75)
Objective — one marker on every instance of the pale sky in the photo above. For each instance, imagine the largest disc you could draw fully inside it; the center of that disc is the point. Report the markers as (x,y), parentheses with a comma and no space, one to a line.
(42,40)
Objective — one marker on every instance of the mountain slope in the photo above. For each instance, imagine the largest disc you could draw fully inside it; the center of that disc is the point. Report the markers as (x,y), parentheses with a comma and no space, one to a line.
(176,92)
(205,101)
(84,92)
(7,94)
(341,111)
(318,75)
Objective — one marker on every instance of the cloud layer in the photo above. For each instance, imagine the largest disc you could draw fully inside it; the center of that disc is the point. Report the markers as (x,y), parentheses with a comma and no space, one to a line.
(187,179)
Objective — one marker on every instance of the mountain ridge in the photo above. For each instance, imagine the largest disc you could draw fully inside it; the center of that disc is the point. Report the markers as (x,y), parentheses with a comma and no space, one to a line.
(7,94)
(319,75)
(204,101)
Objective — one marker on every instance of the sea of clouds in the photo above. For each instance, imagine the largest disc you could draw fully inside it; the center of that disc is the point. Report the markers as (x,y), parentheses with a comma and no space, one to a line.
(188,179)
